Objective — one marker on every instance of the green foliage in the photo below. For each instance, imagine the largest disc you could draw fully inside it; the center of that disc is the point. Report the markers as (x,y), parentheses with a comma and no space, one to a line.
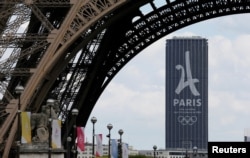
(137,156)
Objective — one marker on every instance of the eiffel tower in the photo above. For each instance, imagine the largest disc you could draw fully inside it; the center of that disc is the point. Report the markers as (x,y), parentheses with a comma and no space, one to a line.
(70,50)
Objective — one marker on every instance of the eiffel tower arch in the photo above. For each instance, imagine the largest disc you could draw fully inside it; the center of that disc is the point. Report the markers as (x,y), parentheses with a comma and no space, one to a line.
(70,50)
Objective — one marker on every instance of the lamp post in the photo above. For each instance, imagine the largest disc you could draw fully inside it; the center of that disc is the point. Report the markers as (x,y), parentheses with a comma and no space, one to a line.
(186,155)
(19,89)
(109,126)
(74,114)
(68,146)
(120,147)
(50,103)
(195,149)
(93,120)
(154,147)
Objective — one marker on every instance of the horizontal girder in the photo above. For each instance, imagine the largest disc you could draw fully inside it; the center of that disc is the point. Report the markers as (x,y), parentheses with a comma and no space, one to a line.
(43,3)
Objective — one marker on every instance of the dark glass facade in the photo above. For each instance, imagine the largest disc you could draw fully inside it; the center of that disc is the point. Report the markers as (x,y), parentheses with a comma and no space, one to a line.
(186,93)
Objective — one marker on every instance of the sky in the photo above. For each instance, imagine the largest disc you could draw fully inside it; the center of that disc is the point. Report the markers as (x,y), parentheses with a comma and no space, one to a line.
(135,99)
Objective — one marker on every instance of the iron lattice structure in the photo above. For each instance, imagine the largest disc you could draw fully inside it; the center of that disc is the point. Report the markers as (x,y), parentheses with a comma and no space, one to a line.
(70,50)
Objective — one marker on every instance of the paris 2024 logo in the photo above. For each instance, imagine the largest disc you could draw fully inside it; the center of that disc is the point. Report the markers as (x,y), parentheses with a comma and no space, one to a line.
(187,113)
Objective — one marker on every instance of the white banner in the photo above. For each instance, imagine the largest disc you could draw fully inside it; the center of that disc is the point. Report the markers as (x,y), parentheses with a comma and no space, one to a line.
(56,134)
(125,151)
(99,150)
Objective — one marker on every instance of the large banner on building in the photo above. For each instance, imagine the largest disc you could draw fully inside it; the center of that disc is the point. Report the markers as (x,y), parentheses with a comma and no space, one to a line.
(56,134)
(26,127)
(187,93)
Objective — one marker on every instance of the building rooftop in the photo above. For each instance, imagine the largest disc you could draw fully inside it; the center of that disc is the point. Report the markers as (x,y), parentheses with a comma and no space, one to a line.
(187,37)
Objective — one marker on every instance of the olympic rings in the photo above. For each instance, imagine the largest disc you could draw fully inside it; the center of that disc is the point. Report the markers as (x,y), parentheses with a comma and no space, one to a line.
(187,120)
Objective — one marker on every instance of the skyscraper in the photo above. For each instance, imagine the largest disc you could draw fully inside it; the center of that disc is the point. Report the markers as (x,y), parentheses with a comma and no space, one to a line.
(186,93)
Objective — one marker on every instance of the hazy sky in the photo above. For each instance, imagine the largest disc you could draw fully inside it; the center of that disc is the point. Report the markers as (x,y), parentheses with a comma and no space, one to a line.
(135,99)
